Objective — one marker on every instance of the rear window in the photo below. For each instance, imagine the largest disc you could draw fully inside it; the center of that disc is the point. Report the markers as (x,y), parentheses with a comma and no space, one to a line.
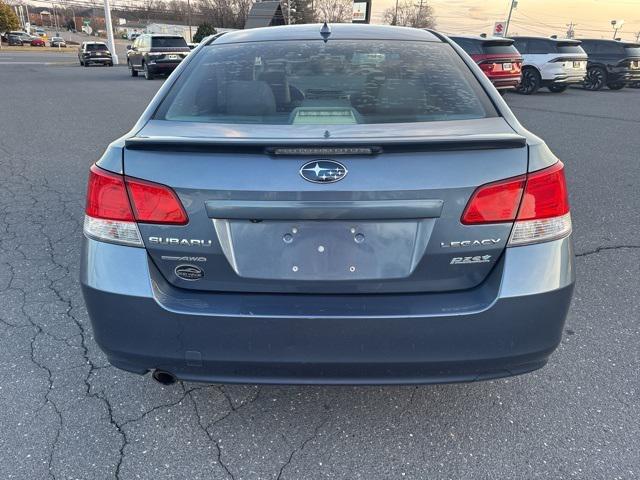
(92,47)
(632,51)
(469,45)
(168,42)
(493,48)
(338,82)
(569,48)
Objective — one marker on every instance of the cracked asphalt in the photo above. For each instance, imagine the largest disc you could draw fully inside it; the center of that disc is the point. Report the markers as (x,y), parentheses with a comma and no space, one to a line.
(66,414)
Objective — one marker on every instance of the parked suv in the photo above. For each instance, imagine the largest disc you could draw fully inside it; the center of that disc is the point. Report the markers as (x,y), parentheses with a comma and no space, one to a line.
(611,63)
(156,54)
(550,62)
(343,204)
(14,41)
(497,57)
(25,38)
(96,53)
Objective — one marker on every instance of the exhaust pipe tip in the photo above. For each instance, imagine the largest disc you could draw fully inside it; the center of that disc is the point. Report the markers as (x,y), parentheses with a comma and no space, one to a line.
(164,378)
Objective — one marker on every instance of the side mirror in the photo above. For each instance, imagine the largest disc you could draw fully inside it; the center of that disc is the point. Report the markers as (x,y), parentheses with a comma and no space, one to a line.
(128,47)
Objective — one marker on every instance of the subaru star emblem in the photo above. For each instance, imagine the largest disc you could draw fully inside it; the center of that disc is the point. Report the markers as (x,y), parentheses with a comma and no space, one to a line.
(323,171)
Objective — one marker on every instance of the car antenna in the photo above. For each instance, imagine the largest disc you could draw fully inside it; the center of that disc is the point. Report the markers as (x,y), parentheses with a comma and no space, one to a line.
(325,32)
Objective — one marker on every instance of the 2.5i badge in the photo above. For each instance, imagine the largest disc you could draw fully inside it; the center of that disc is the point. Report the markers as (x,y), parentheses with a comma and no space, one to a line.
(467,260)
(189,272)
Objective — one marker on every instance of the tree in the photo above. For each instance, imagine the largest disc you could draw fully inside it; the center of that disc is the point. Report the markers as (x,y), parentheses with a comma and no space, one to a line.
(8,18)
(204,30)
(333,11)
(225,13)
(301,11)
(408,13)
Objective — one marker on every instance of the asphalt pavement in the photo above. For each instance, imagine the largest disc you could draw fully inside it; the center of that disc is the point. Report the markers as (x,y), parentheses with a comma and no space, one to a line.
(66,414)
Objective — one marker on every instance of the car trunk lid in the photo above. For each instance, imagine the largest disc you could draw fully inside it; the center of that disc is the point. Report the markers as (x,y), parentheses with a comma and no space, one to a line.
(390,224)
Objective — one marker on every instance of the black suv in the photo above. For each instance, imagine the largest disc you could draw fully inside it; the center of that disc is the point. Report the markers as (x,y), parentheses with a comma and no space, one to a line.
(611,63)
(156,54)
(96,53)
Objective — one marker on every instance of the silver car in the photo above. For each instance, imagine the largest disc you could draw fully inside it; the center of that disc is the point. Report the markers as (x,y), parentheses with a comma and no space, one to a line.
(328,204)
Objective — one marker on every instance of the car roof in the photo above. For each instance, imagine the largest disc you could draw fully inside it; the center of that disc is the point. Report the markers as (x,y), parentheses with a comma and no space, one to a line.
(351,31)
(478,38)
(98,43)
(606,40)
(551,39)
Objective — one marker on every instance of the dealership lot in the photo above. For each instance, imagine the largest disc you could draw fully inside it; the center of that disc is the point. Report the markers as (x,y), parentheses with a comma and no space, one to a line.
(66,414)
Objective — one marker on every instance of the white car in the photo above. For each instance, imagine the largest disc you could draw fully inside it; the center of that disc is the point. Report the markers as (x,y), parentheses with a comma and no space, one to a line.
(550,62)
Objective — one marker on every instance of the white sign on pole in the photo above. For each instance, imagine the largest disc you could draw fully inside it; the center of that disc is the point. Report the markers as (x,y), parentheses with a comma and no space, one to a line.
(359,11)
(499,28)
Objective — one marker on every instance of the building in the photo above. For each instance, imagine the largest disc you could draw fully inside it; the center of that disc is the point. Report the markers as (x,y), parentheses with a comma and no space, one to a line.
(265,14)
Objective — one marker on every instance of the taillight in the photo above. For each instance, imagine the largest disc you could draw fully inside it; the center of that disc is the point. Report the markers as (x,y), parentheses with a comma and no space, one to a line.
(487,67)
(115,203)
(538,202)
(544,213)
(107,196)
(545,195)
(154,203)
(495,202)
(108,215)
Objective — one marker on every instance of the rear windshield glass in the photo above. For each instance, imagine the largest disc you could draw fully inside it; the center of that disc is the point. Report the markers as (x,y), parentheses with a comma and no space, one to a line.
(569,48)
(166,42)
(338,82)
(504,49)
(469,45)
(96,46)
(632,51)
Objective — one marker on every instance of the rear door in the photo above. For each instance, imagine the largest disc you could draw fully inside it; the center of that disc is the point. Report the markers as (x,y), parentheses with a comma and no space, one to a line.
(333,186)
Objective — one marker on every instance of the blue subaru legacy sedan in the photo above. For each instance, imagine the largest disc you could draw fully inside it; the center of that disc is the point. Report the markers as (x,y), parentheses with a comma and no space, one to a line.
(339,204)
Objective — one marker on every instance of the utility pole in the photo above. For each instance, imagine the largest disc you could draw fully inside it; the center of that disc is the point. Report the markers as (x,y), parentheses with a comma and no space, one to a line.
(20,14)
(419,14)
(571,31)
(26,7)
(189,19)
(617,25)
(637,37)
(514,4)
(109,27)
(55,16)
(73,13)
(395,15)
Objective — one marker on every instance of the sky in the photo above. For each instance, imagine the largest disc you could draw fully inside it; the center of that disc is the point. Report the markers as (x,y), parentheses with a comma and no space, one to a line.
(532,17)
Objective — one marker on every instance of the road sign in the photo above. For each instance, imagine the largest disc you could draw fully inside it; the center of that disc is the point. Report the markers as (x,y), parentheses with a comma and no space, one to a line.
(499,28)
(361,11)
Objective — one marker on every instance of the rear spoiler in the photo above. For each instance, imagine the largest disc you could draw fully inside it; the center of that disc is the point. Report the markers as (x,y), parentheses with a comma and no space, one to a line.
(336,146)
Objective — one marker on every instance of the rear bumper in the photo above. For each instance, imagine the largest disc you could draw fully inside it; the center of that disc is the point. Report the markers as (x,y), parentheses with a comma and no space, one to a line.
(572,79)
(626,76)
(162,66)
(98,60)
(510,82)
(508,325)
